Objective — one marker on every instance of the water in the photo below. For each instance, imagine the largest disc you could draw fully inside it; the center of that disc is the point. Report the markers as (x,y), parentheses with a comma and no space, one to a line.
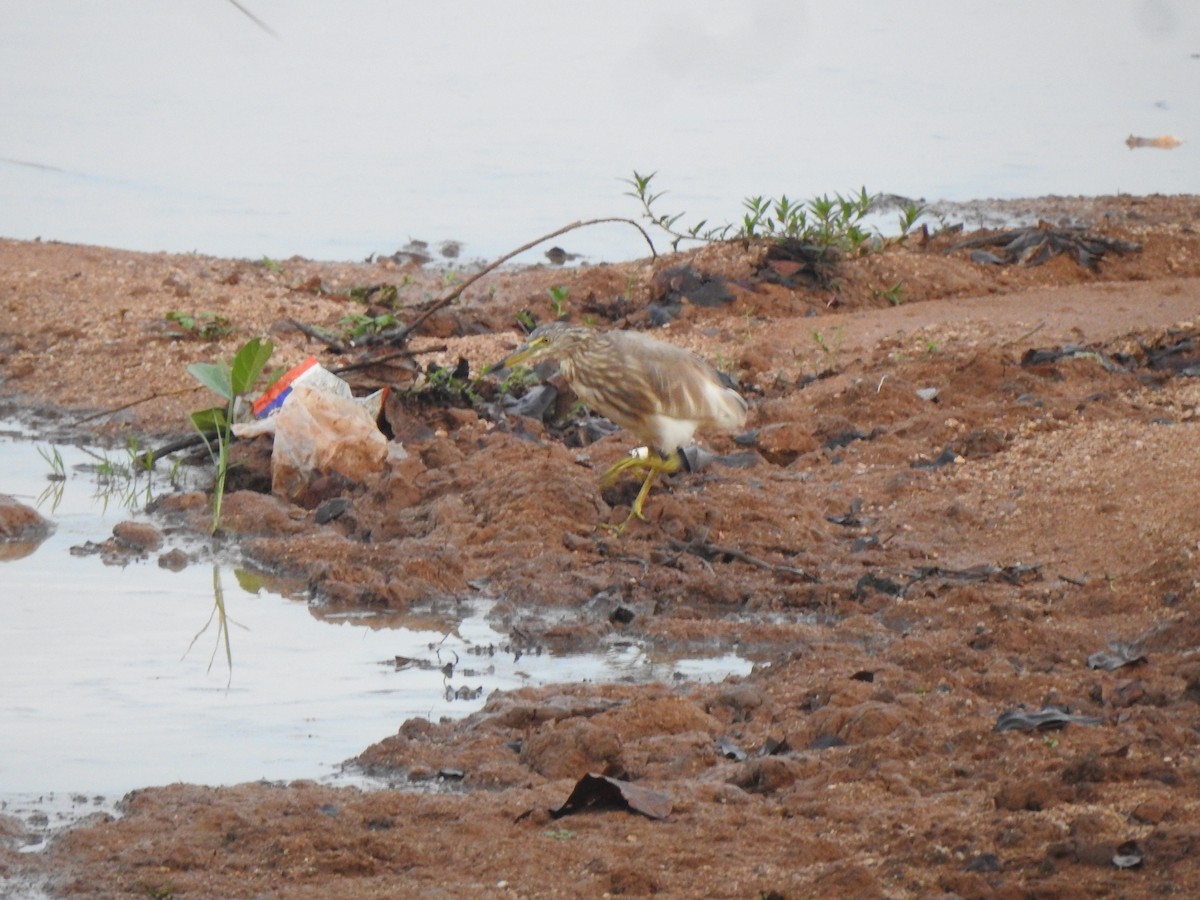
(104,690)
(185,126)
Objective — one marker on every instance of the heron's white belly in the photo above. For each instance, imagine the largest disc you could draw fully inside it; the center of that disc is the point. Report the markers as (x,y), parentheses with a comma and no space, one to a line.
(673,433)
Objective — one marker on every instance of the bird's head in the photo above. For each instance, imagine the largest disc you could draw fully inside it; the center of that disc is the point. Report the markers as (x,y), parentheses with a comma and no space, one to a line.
(545,340)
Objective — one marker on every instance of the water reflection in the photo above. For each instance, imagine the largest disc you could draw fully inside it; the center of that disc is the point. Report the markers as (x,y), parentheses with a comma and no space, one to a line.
(223,622)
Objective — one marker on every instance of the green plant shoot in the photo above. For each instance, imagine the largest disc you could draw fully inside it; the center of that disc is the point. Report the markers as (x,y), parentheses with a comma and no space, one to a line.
(228,381)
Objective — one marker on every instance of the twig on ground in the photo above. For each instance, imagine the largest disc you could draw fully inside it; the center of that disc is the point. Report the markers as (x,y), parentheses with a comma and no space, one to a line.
(140,400)
(1030,333)
(187,442)
(318,334)
(387,357)
(702,548)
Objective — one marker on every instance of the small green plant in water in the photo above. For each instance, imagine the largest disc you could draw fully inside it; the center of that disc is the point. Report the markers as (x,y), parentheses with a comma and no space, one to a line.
(57,477)
(130,480)
(228,381)
(53,458)
(121,479)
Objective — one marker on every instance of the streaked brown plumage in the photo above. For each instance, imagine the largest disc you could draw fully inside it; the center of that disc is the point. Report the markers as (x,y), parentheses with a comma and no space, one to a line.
(660,392)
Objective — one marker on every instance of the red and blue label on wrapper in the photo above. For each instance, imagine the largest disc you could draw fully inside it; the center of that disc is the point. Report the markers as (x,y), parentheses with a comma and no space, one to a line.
(274,396)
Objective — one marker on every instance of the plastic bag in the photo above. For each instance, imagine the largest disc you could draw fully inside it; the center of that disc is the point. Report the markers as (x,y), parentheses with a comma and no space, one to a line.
(319,433)
(320,429)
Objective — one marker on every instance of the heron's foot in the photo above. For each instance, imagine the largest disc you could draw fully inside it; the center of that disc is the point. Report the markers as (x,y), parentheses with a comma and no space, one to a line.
(638,459)
(619,529)
(635,512)
(646,459)
(655,465)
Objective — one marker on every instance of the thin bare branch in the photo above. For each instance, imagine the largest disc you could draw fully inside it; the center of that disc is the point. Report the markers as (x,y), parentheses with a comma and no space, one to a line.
(400,335)
(138,402)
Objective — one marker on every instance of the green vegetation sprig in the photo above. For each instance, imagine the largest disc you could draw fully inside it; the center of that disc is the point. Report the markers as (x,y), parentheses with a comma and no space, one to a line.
(228,381)
(205,326)
(832,223)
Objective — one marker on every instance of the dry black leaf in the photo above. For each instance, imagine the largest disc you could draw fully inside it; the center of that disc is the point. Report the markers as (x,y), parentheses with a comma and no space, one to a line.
(598,792)
(1048,719)
(1128,856)
(774,747)
(1119,653)
(730,750)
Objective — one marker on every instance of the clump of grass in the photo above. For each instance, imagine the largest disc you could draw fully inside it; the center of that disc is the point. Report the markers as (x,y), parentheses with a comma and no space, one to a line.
(357,326)
(519,379)
(453,384)
(894,294)
(203,326)
(558,298)
(828,347)
(558,301)
(386,295)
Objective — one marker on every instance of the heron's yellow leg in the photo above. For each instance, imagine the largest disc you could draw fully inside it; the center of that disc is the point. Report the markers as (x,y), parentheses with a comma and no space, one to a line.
(655,465)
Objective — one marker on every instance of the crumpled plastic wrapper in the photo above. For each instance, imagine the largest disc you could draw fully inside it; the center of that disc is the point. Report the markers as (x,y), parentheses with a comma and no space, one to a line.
(320,429)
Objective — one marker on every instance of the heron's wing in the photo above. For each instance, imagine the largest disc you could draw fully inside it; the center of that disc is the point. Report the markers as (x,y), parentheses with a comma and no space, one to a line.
(686,387)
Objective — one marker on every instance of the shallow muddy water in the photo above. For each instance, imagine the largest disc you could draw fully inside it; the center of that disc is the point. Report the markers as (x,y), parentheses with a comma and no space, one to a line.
(347,131)
(116,676)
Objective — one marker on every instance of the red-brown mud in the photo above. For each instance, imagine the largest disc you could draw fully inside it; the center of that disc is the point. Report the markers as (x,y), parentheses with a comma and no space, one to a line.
(961,481)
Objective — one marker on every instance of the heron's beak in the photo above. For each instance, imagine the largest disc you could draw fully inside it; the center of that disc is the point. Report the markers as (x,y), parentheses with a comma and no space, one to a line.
(521,354)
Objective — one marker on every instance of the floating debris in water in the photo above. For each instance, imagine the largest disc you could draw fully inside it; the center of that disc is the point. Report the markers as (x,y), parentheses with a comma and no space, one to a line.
(1162,142)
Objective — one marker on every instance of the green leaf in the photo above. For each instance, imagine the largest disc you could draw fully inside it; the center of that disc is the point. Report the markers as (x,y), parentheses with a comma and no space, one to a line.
(214,376)
(248,364)
(209,419)
(182,319)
